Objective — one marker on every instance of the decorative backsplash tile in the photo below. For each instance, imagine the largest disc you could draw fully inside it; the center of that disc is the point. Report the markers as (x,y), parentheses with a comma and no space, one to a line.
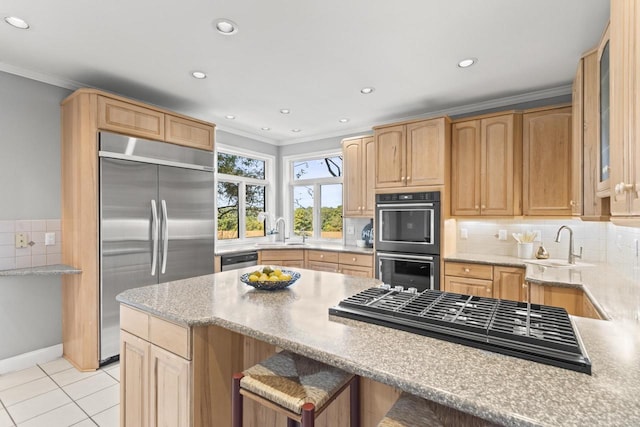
(34,255)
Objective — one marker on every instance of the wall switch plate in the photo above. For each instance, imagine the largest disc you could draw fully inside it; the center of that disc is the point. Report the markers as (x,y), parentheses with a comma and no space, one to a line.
(464,234)
(49,239)
(502,234)
(351,229)
(538,237)
(21,240)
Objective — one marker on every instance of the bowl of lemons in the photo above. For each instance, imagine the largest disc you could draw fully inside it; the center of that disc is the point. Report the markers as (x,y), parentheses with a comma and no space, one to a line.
(270,279)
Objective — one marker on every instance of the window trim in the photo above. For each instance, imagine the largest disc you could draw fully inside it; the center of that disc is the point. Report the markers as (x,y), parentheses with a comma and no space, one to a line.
(269,184)
(289,183)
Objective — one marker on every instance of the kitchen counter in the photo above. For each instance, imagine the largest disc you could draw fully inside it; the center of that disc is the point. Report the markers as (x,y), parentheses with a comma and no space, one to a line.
(45,270)
(613,295)
(241,248)
(498,388)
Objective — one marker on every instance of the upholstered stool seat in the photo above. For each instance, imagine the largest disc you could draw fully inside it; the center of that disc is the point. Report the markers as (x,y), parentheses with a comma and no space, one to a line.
(299,387)
(410,411)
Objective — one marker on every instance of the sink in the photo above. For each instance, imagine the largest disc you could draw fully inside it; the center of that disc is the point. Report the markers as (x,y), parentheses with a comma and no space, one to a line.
(295,244)
(557,263)
(279,244)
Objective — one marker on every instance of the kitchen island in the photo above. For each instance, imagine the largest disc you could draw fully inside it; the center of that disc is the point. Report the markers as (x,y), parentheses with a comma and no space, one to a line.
(222,326)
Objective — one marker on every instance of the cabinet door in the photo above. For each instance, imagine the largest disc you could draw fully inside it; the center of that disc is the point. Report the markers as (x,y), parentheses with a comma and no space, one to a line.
(466,286)
(130,119)
(465,168)
(577,144)
(508,283)
(352,179)
(353,270)
(390,157)
(322,266)
(368,176)
(426,153)
(134,380)
(497,165)
(170,389)
(607,129)
(292,263)
(547,162)
(189,133)
(568,298)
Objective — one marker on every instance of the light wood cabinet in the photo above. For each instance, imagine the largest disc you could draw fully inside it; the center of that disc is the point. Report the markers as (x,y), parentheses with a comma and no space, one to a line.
(568,298)
(486,171)
(412,154)
(625,104)
(170,386)
(509,283)
(547,188)
(351,263)
(468,278)
(134,380)
(588,309)
(577,143)
(83,114)
(283,257)
(603,99)
(359,177)
(188,132)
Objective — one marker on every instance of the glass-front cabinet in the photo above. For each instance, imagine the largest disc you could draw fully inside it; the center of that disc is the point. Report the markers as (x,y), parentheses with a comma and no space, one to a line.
(604,117)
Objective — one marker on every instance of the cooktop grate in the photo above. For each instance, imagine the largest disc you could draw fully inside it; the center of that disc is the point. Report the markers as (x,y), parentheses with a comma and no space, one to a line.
(530,331)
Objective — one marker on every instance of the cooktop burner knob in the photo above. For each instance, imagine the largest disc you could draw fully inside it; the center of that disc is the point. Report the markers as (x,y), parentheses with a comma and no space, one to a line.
(398,288)
(412,290)
(385,286)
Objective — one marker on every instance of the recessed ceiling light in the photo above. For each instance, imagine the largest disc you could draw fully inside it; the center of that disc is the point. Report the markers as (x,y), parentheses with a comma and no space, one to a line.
(285,111)
(14,21)
(468,62)
(296,130)
(199,75)
(230,117)
(366,90)
(344,120)
(226,26)
(265,128)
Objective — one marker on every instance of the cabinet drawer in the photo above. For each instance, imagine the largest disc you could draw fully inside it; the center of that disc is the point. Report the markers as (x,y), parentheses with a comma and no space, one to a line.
(323,266)
(467,286)
(134,322)
(187,132)
(354,270)
(355,259)
(323,256)
(170,336)
(130,119)
(461,269)
(281,255)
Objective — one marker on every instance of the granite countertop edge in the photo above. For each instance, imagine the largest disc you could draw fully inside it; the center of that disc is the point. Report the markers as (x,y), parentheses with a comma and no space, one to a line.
(331,247)
(45,270)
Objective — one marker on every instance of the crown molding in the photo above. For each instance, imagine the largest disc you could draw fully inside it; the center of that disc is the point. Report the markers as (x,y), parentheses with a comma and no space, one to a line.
(41,77)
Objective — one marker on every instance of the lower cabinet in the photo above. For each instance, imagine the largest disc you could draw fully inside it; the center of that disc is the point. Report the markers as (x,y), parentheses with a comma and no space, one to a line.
(350,263)
(170,383)
(508,283)
(134,380)
(468,279)
(282,257)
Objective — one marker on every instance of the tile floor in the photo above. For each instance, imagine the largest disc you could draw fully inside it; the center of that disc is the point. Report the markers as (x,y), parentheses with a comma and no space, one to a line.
(55,394)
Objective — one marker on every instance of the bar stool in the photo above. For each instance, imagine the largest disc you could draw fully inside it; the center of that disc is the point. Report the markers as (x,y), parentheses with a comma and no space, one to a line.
(410,411)
(298,387)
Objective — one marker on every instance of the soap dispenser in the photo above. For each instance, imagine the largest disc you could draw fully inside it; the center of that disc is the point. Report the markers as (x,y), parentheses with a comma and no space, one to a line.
(542,252)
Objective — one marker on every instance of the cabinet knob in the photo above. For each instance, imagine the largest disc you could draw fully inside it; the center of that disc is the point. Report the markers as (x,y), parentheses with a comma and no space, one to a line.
(489,290)
(353,259)
(321,255)
(466,270)
(408,178)
(477,207)
(402,178)
(483,206)
(524,286)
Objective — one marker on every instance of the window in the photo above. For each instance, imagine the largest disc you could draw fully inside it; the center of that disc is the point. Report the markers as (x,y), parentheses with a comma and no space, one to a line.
(243,191)
(315,196)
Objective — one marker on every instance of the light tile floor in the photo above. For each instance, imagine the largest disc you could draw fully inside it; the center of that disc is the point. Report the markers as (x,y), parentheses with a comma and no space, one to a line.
(55,394)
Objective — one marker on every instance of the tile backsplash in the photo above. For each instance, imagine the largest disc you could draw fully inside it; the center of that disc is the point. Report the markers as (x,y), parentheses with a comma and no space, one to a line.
(357,224)
(36,254)
(601,241)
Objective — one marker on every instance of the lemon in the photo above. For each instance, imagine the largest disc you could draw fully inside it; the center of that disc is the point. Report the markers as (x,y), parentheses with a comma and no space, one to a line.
(253,278)
(285,277)
(263,278)
(277,272)
(274,279)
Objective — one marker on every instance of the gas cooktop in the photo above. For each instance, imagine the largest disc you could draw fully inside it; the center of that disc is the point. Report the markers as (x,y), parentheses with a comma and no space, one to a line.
(530,331)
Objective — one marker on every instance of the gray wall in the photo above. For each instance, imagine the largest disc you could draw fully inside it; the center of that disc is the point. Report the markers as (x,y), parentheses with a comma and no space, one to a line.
(30,307)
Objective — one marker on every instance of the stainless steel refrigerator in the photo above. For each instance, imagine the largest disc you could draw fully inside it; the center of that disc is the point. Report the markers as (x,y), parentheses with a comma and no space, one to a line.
(156,221)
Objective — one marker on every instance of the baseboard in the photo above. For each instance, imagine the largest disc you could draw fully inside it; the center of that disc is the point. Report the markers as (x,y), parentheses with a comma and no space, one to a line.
(27,360)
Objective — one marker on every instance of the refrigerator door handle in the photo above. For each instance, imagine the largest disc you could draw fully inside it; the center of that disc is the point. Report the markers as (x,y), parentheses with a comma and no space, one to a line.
(165,236)
(154,236)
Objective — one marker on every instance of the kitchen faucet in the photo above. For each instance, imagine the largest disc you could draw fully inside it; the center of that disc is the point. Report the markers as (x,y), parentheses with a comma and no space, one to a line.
(572,256)
(284,228)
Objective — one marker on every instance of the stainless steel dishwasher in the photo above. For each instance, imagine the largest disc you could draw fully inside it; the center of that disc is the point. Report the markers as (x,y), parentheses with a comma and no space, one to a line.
(235,261)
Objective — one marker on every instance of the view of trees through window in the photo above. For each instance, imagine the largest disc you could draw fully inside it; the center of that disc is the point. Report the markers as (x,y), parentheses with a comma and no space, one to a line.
(240,178)
(322,176)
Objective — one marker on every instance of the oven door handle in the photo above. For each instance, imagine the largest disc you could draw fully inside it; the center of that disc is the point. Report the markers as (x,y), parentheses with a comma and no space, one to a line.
(405,205)
(400,257)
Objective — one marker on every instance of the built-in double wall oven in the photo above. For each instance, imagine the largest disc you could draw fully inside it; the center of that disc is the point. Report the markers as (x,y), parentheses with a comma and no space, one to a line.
(408,239)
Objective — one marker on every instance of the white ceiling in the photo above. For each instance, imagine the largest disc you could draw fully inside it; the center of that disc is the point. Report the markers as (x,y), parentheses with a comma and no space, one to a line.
(312,57)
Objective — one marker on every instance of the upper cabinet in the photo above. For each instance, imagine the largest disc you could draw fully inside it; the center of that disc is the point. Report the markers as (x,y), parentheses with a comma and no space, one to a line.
(486,164)
(547,155)
(624,56)
(190,133)
(358,156)
(604,116)
(412,154)
(577,143)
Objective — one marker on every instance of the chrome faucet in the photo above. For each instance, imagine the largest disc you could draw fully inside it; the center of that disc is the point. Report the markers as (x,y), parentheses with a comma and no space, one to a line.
(284,228)
(572,256)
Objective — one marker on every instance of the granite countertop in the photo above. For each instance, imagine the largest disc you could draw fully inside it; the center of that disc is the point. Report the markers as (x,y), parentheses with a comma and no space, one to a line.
(614,295)
(501,389)
(237,248)
(45,270)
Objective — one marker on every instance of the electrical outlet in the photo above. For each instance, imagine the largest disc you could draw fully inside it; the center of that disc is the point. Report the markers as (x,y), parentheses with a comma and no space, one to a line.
(49,239)
(21,240)
(464,234)
(502,234)
(538,237)
(351,229)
